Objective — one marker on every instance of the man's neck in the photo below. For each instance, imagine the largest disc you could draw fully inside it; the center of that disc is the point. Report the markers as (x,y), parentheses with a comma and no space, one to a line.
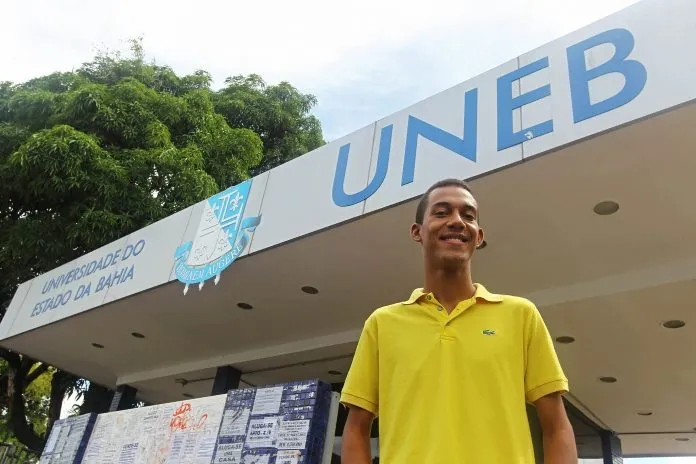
(450,287)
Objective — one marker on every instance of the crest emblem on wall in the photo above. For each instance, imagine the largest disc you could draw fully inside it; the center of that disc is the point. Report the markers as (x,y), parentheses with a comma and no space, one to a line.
(222,235)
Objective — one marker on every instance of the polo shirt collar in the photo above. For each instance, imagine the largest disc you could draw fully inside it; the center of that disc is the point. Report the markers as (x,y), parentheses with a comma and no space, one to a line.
(481,293)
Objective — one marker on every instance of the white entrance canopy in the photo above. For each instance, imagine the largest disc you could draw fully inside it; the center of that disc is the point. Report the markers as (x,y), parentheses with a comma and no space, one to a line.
(603,114)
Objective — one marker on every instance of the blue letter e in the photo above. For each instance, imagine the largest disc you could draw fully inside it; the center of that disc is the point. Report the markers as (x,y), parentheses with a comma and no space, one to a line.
(633,72)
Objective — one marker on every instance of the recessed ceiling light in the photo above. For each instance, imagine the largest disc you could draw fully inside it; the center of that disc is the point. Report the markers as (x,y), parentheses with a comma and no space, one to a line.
(607,379)
(682,439)
(673,324)
(605,208)
(310,290)
(97,345)
(137,335)
(245,306)
(187,395)
(483,245)
(645,413)
(565,339)
(332,372)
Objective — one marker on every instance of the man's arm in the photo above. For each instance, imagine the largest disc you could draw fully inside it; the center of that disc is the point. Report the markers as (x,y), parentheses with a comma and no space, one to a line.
(545,384)
(558,436)
(360,394)
(356,437)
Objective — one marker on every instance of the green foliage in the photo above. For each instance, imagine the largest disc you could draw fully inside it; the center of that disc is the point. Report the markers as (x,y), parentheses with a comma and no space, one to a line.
(89,156)
(279,114)
(37,396)
(36,400)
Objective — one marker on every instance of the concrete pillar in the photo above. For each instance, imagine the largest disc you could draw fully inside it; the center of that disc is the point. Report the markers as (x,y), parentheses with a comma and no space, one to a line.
(124,398)
(611,448)
(226,379)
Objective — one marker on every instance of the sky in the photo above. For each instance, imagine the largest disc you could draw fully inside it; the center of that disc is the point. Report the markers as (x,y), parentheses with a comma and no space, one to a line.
(363,59)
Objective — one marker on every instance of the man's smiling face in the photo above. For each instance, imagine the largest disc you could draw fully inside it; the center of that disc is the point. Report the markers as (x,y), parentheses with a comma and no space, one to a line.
(450,231)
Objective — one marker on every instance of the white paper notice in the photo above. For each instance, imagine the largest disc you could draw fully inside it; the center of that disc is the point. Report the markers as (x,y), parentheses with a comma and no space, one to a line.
(229,453)
(257,459)
(206,447)
(288,457)
(267,400)
(234,422)
(52,439)
(293,434)
(262,433)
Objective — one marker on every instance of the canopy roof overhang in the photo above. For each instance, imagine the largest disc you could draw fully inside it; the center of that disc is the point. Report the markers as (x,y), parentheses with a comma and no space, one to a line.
(607,281)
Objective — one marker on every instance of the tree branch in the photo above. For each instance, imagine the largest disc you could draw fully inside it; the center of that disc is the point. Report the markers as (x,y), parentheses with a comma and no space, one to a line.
(23,430)
(12,359)
(33,375)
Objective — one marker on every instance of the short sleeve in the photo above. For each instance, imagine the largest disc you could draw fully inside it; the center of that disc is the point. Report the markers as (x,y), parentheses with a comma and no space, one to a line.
(543,372)
(361,387)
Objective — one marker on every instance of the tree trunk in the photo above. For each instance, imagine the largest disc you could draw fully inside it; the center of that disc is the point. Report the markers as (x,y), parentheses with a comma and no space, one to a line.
(58,389)
(16,383)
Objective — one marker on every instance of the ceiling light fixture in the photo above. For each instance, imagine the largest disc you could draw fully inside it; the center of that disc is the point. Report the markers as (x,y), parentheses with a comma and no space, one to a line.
(606,208)
(245,306)
(565,339)
(332,372)
(97,345)
(673,324)
(682,439)
(645,413)
(187,395)
(137,335)
(607,379)
(310,290)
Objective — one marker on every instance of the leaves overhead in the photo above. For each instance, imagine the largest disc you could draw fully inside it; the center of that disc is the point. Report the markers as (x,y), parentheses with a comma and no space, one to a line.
(87,157)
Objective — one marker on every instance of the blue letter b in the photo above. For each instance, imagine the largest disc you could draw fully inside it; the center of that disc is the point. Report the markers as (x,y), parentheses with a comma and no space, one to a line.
(633,71)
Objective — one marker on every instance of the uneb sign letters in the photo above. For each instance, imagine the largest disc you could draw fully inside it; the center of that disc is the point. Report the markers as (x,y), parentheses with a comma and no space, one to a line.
(579,76)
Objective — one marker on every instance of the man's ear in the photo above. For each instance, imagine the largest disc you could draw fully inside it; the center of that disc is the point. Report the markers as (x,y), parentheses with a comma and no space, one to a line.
(479,238)
(416,232)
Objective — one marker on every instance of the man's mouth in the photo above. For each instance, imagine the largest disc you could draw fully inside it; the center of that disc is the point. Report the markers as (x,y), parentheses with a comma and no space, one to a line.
(455,238)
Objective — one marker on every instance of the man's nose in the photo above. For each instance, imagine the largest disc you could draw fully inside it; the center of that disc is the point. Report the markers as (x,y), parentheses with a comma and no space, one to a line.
(456,222)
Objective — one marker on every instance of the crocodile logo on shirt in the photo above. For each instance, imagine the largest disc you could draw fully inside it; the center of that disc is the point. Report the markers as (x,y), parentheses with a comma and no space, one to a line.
(488,332)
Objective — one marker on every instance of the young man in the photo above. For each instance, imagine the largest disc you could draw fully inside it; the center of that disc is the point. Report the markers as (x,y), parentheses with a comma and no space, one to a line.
(449,370)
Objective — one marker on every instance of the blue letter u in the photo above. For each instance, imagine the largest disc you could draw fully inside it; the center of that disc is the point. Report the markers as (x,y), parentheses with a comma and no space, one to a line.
(340,197)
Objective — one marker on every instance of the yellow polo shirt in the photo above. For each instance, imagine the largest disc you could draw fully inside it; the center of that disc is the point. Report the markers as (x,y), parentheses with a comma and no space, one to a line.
(451,388)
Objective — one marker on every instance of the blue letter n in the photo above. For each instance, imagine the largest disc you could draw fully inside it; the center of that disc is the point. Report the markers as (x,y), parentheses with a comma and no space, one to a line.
(633,72)
(465,146)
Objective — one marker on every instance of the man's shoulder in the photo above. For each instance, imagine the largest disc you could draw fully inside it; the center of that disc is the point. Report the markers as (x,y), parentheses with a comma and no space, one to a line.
(388,310)
(517,301)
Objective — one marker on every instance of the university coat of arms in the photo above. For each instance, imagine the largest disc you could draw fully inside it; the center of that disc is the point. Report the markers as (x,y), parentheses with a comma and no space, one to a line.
(222,235)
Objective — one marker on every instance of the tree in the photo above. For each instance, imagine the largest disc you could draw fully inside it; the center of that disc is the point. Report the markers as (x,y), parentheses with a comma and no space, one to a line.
(89,156)
(279,114)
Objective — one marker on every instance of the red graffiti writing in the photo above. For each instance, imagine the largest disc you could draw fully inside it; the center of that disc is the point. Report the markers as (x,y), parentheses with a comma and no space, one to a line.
(183,419)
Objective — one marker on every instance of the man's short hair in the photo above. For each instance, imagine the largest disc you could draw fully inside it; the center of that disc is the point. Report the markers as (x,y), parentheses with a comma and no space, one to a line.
(423,203)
